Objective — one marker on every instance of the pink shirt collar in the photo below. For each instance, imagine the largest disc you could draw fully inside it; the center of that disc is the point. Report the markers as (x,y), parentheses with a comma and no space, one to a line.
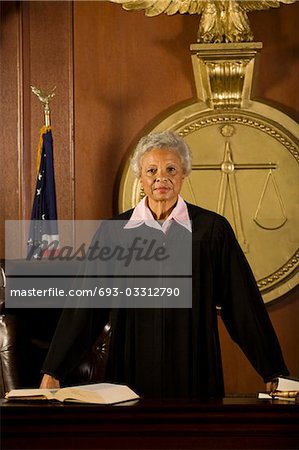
(142,214)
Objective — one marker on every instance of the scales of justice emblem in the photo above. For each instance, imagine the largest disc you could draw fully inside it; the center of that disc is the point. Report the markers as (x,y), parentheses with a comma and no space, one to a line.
(228,191)
(245,153)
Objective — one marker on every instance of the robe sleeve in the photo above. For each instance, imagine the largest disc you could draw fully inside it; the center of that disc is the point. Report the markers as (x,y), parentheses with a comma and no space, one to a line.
(76,332)
(242,308)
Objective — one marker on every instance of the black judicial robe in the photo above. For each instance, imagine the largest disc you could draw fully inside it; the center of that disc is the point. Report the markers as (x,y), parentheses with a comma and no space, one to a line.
(176,352)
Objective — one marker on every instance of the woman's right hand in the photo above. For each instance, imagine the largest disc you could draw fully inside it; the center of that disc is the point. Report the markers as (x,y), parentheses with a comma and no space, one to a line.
(49,382)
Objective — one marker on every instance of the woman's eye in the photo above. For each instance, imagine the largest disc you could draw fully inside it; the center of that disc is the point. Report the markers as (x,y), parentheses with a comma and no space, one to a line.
(151,171)
(171,170)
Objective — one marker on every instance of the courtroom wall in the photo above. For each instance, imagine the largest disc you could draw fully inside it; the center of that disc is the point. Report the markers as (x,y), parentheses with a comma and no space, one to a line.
(116,73)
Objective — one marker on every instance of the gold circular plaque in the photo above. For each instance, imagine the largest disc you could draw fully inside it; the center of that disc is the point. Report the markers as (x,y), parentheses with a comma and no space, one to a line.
(246,167)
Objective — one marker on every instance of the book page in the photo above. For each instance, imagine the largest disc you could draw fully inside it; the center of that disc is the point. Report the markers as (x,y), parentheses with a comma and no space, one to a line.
(287,384)
(102,393)
(32,394)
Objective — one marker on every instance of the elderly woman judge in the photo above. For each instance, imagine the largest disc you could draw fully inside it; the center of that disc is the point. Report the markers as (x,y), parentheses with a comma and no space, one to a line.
(168,352)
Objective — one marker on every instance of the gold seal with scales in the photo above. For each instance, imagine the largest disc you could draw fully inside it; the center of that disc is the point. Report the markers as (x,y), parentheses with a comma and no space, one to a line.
(245,162)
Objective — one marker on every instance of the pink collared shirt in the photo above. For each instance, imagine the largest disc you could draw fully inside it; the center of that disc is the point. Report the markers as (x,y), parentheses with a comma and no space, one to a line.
(142,214)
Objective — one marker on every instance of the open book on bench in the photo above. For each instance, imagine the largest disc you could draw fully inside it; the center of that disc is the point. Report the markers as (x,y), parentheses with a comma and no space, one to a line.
(101,393)
(286,389)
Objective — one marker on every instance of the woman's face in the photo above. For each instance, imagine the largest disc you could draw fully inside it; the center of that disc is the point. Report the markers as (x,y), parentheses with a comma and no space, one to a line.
(161,175)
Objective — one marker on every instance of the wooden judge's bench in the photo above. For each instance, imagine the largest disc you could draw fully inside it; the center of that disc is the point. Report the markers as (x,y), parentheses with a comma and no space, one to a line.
(231,423)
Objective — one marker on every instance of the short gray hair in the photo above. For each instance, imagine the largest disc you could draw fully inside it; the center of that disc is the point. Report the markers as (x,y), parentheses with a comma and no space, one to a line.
(165,139)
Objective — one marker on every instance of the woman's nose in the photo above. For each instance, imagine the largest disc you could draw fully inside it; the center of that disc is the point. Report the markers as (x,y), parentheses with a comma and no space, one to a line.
(161,175)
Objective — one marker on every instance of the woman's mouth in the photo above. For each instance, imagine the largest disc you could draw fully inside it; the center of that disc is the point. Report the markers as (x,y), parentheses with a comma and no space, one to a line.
(161,189)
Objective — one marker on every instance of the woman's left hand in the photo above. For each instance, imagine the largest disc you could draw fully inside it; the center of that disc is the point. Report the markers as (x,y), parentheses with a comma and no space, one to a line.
(270,386)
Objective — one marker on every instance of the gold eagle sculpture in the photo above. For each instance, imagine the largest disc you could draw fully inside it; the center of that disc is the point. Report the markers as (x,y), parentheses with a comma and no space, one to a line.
(221,20)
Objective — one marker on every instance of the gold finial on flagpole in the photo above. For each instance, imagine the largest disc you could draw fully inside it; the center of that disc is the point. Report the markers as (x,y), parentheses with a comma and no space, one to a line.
(45,98)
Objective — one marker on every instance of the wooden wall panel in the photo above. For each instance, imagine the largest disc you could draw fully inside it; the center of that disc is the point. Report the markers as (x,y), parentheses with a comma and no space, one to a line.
(51,64)
(36,49)
(279,63)
(10,164)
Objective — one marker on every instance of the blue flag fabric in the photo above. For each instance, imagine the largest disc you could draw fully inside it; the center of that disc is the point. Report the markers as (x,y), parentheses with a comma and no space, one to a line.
(43,226)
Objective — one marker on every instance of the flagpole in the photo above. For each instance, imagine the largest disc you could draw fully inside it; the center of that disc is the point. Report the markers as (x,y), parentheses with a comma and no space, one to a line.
(45,98)
(43,226)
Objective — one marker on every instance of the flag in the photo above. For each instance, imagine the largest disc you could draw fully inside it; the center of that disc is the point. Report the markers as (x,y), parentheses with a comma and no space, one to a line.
(43,234)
